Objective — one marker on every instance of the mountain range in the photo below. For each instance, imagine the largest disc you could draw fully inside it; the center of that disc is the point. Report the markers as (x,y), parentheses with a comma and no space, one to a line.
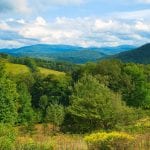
(69,53)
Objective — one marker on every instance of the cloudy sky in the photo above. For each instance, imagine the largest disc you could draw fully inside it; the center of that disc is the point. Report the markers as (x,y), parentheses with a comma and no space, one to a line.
(74,22)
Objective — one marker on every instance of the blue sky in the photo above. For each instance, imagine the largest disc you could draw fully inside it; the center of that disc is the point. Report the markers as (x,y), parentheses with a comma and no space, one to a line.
(74,22)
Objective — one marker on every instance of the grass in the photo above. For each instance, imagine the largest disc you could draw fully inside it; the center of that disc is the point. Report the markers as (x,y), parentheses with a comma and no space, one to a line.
(60,141)
(49,71)
(44,134)
(16,69)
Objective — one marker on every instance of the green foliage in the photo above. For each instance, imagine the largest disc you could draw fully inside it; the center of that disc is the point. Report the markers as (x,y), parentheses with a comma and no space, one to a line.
(57,90)
(96,96)
(109,141)
(8,99)
(130,80)
(7,137)
(140,126)
(55,114)
(43,103)
(93,106)
(27,78)
(2,70)
(25,61)
(139,55)
(49,64)
(25,111)
(135,91)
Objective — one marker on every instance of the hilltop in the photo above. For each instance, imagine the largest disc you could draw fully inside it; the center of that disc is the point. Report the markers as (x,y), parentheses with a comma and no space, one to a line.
(138,55)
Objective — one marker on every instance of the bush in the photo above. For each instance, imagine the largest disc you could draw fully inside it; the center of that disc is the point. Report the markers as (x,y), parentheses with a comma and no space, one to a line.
(141,126)
(7,137)
(109,141)
(94,106)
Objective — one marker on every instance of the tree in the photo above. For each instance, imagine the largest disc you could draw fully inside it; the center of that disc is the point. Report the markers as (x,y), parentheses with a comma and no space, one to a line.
(93,106)
(8,99)
(110,69)
(43,103)
(57,90)
(55,114)
(31,63)
(2,70)
(134,86)
(25,111)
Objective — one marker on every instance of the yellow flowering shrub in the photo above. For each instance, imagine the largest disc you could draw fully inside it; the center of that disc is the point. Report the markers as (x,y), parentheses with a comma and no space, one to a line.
(112,140)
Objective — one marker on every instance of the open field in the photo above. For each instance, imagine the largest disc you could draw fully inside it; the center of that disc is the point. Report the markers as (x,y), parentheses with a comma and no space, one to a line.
(49,71)
(45,135)
(15,69)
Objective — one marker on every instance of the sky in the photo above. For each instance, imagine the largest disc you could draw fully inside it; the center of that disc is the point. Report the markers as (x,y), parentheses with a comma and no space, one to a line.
(86,23)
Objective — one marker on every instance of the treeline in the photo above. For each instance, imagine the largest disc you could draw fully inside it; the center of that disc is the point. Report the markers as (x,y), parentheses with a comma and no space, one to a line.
(103,95)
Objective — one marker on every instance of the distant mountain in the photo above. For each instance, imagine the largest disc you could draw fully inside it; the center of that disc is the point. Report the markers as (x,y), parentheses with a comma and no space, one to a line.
(114,50)
(79,57)
(40,49)
(138,55)
(69,53)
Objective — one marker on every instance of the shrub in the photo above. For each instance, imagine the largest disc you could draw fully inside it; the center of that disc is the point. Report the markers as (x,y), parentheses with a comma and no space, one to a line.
(141,126)
(145,123)
(94,106)
(109,141)
(7,137)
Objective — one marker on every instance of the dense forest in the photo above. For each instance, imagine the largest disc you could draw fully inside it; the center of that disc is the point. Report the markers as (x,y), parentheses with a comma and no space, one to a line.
(138,55)
(106,104)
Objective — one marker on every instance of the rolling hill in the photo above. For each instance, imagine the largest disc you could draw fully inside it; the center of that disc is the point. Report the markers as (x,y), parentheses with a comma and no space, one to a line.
(16,69)
(138,55)
(68,53)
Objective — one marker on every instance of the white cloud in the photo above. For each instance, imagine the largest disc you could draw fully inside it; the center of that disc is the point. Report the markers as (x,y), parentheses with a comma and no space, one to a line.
(142,26)
(21,21)
(86,31)
(40,21)
(4,26)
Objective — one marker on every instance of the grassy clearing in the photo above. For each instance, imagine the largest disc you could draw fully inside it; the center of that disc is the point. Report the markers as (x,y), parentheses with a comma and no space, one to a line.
(16,68)
(60,141)
(44,134)
(46,72)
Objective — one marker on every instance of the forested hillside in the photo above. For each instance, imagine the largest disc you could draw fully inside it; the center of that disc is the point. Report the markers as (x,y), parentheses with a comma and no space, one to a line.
(139,55)
(43,111)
